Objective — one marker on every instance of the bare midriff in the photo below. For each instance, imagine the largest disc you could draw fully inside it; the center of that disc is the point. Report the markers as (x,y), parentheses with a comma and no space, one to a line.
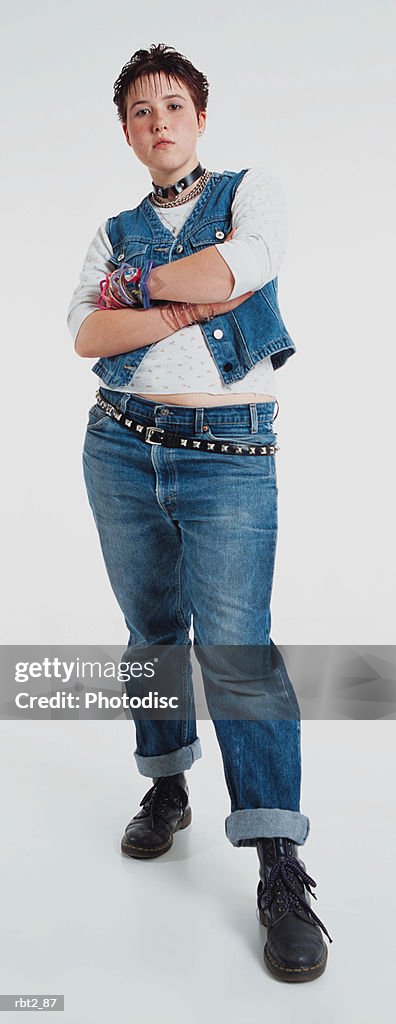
(203,399)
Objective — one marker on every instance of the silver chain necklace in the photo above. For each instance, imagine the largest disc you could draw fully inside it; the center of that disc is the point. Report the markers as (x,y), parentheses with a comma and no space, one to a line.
(168,204)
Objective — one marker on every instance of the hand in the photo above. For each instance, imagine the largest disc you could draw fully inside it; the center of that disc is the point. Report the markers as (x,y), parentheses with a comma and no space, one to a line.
(207,310)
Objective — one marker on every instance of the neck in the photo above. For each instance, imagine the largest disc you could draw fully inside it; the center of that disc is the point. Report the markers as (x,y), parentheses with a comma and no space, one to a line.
(170,177)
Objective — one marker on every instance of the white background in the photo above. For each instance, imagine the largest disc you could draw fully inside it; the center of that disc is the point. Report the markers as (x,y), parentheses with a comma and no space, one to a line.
(175,940)
(305,89)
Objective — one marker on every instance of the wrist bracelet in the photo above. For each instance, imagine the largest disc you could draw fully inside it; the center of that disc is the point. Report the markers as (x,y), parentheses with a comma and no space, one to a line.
(126,286)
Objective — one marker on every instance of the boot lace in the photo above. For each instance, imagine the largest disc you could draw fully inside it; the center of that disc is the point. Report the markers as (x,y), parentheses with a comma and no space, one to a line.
(290,874)
(157,798)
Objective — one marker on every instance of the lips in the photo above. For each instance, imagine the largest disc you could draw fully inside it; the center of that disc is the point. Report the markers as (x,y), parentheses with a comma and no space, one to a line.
(163,142)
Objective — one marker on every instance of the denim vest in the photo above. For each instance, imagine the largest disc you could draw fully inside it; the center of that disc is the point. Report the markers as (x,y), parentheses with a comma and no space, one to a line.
(238,339)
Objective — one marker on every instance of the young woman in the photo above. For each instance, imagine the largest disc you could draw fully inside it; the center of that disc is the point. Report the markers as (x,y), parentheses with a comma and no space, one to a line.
(179,465)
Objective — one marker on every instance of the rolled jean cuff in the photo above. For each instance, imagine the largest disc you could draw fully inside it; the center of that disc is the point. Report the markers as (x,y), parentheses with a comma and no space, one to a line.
(244,827)
(176,761)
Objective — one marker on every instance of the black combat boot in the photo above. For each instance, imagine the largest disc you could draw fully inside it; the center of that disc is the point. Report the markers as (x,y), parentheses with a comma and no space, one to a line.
(295,949)
(165,809)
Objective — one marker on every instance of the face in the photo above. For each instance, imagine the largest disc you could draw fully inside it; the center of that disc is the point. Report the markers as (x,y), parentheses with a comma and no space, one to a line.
(161,108)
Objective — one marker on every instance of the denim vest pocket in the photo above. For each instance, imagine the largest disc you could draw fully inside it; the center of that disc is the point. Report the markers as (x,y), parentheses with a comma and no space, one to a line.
(129,252)
(210,233)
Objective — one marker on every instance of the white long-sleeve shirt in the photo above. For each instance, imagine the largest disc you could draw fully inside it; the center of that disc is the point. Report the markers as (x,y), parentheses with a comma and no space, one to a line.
(182,362)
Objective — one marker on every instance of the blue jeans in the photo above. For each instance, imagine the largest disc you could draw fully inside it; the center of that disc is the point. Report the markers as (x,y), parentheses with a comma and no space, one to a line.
(192,535)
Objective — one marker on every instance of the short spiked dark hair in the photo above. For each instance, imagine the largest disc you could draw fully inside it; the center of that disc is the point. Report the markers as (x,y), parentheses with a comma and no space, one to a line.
(149,62)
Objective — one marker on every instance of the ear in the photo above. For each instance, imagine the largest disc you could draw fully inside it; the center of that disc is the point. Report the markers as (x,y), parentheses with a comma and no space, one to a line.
(202,121)
(125,130)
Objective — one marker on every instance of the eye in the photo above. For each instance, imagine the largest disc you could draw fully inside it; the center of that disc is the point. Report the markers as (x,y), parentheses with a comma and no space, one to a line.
(143,109)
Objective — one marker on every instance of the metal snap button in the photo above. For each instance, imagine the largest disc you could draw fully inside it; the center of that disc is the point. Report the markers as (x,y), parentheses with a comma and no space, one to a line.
(227,366)
(205,428)
(120,257)
(219,234)
(217,333)
(179,248)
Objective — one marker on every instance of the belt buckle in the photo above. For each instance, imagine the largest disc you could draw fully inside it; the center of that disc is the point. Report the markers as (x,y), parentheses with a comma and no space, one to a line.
(152,430)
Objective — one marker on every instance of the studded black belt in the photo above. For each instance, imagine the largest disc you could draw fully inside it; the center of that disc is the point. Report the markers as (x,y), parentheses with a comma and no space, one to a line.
(157,435)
